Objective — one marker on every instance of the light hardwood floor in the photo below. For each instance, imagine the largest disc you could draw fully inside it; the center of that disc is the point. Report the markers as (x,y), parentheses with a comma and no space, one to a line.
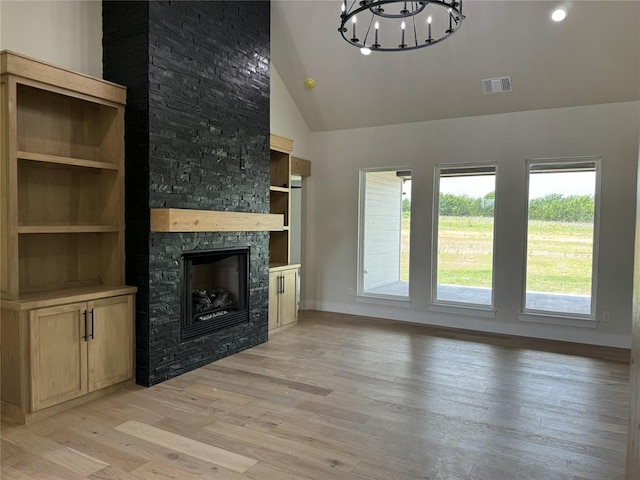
(340,397)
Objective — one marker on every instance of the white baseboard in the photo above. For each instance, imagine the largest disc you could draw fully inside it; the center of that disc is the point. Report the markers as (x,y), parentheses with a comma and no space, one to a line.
(522,329)
(302,305)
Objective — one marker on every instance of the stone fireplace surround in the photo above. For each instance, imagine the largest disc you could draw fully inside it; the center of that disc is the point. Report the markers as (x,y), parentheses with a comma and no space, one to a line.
(196,137)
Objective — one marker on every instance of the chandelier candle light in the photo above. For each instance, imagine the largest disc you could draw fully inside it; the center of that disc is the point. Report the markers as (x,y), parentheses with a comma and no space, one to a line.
(425,22)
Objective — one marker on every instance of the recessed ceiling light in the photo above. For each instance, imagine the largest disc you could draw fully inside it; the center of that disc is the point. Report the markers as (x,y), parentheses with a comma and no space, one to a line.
(558,15)
(365,51)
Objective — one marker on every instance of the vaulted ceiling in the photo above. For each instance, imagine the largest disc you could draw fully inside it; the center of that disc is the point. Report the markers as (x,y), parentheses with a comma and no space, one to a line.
(592,57)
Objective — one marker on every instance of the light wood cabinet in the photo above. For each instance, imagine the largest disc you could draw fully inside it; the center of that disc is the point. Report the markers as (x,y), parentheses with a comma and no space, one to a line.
(111,328)
(61,237)
(58,354)
(77,349)
(288,303)
(283,296)
(283,276)
(57,351)
(274,297)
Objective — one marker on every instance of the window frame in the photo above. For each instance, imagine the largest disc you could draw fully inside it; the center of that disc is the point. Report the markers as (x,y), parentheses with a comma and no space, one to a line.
(460,307)
(361,295)
(548,316)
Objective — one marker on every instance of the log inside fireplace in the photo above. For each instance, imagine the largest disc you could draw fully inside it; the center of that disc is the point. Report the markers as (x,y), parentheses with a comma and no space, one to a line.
(215,290)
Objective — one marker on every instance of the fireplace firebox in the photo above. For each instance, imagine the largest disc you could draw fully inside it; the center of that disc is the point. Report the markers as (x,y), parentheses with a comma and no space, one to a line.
(215,290)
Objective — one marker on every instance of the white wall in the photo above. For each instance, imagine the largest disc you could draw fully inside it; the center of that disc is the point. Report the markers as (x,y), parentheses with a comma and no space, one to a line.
(610,131)
(64,33)
(286,120)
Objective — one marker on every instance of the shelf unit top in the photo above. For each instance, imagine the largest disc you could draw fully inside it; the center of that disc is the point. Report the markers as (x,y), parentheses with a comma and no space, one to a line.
(279,267)
(33,69)
(71,295)
(281,144)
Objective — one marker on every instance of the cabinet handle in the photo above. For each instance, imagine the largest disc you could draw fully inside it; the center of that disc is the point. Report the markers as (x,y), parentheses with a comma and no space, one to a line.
(92,325)
(283,284)
(86,329)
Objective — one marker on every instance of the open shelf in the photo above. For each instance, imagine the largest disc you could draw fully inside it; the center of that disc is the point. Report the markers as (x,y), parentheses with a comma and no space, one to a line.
(280,198)
(279,247)
(78,162)
(280,170)
(58,261)
(64,126)
(280,204)
(53,194)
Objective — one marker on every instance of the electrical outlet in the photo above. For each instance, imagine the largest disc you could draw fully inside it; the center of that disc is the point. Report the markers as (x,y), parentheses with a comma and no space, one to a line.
(351,292)
(606,316)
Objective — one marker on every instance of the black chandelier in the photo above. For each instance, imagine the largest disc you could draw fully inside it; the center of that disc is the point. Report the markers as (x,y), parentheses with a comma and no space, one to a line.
(397,25)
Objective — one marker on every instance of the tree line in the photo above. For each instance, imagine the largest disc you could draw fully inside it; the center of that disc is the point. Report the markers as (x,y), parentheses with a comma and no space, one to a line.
(553,207)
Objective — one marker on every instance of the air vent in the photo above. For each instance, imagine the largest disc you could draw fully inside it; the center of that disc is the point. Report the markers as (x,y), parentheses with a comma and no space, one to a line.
(496,85)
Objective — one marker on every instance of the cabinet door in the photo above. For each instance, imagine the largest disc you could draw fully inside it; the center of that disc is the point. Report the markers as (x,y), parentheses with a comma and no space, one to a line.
(289,298)
(58,354)
(110,345)
(274,294)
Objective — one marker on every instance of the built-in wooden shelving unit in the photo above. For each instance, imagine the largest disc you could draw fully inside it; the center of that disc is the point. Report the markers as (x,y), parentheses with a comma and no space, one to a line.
(283,276)
(66,316)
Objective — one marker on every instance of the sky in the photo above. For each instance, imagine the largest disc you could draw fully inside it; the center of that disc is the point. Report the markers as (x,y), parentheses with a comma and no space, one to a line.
(540,185)
(580,183)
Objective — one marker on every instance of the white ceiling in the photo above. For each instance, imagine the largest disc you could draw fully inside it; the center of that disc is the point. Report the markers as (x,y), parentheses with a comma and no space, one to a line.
(592,57)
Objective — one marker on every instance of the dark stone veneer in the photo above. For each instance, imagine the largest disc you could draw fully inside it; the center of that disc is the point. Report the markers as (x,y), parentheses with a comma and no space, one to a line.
(196,136)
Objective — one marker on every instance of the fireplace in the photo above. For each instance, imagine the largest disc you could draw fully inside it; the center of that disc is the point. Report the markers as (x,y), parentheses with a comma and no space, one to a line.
(215,290)
(186,149)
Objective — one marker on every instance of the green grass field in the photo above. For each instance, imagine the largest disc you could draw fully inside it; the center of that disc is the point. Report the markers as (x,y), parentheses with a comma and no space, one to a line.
(559,254)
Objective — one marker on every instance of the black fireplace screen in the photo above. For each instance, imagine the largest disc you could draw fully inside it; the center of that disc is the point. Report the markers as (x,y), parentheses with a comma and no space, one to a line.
(215,290)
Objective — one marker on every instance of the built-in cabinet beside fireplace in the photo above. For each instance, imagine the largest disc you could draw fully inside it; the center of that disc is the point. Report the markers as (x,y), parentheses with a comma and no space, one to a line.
(283,275)
(283,296)
(67,319)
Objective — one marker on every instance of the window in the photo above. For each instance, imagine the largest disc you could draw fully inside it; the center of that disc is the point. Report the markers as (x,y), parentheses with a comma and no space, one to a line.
(561,240)
(463,235)
(385,218)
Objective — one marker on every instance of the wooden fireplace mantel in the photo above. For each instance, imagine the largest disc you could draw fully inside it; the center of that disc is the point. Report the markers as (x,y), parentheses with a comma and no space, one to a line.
(184,220)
